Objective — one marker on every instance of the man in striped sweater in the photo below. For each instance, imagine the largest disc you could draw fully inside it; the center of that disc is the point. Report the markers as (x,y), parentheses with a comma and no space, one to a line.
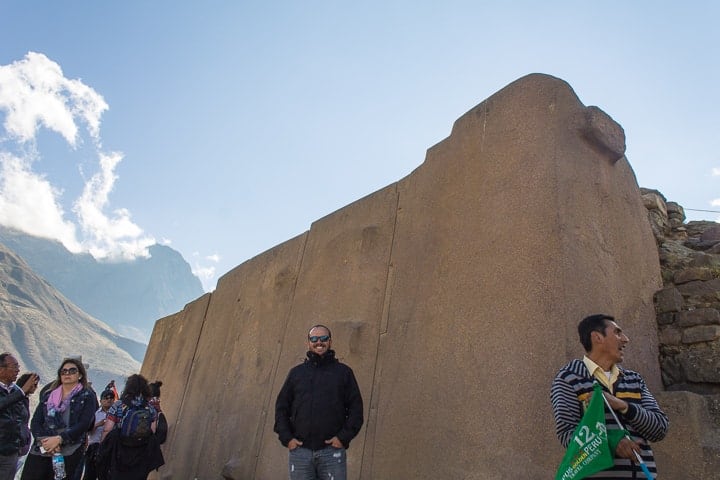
(625,390)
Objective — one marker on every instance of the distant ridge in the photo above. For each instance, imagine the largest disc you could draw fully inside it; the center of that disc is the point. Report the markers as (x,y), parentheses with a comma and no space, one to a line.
(128,296)
(40,326)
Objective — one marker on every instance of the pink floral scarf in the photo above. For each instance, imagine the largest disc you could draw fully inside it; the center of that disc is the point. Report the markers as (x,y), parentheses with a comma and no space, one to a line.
(55,401)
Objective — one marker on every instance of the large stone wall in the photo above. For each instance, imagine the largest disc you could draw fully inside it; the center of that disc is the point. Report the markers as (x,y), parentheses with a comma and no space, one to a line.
(454,294)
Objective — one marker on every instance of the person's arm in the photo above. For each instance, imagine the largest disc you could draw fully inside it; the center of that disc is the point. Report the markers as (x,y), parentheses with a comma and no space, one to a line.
(100,422)
(354,410)
(567,410)
(283,406)
(107,428)
(30,383)
(37,422)
(646,418)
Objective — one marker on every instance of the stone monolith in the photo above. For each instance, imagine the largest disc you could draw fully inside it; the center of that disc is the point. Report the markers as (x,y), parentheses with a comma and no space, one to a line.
(454,294)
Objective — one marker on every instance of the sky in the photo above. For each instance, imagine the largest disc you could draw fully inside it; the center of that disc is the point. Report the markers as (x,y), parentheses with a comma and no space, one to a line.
(223,128)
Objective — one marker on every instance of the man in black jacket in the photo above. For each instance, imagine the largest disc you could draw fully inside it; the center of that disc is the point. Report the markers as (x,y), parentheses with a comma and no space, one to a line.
(318,411)
(13,414)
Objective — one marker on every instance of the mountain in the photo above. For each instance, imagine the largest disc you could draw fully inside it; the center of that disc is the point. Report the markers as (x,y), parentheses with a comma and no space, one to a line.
(40,327)
(128,296)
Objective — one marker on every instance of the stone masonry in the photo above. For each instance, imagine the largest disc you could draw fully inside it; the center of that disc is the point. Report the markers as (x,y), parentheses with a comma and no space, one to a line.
(688,305)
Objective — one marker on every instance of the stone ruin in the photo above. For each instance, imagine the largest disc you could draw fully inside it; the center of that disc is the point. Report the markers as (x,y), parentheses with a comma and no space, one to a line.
(454,294)
(688,307)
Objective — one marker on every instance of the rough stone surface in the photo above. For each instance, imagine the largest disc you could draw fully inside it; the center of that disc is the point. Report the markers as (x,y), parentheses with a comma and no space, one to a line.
(453,319)
(698,316)
(655,201)
(702,365)
(670,336)
(604,133)
(701,333)
(690,338)
(712,234)
(695,417)
(668,300)
(692,274)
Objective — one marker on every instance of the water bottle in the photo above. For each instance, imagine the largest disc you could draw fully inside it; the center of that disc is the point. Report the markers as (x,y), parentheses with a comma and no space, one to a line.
(58,463)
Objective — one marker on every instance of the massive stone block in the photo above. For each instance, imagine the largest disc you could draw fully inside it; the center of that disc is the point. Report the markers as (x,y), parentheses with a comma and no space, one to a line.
(454,294)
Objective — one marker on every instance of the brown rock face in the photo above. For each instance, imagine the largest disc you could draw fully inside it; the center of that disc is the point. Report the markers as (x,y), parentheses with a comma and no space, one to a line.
(454,294)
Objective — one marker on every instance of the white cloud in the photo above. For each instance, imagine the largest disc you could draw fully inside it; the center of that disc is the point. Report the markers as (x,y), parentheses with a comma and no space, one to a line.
(716,172)
(34,93)
(206,276)
(205,273)
(715,203)
(29,203)
(115,237)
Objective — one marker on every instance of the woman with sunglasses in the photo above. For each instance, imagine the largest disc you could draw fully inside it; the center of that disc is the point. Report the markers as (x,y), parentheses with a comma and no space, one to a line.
(61,420)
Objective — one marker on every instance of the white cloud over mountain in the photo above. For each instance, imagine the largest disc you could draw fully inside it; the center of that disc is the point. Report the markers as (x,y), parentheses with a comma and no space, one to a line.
(34,93)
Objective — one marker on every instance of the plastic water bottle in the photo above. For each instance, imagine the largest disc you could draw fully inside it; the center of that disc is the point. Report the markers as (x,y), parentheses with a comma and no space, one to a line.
(58,463)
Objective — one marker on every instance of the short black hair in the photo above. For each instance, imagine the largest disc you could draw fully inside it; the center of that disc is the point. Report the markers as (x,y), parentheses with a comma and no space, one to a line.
(320,326)
(155,388)
(592,323)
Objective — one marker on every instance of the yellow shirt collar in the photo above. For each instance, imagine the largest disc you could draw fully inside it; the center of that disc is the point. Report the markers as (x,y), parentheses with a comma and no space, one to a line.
(597,372)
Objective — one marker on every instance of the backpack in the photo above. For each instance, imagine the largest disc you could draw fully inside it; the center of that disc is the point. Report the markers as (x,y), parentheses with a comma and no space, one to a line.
(135,425)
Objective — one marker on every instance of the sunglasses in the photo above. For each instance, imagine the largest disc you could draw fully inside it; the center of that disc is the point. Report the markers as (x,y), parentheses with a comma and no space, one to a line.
(321,338)
(68,371)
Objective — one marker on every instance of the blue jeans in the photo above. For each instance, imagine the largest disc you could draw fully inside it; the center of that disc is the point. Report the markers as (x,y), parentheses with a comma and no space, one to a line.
(326,464)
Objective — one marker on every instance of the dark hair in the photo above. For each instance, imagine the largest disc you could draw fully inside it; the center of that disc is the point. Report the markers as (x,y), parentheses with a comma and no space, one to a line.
(155,388)
(23,378)
(320,326)
(135,386)
(3,356)
(593,323)
(81,371)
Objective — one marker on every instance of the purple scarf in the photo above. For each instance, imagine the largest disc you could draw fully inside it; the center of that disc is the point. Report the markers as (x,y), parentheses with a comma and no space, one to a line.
(55,400)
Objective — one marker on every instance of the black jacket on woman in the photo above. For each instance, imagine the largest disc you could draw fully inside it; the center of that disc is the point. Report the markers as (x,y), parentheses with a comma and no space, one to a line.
(320,399)
(82,415)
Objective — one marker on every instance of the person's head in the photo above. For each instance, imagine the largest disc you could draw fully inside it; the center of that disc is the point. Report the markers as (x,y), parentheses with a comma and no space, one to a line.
(107,397)
(136,386)
(155,388)
(71,372)
(601,337)
(24,378)
(9,368)
(319,339)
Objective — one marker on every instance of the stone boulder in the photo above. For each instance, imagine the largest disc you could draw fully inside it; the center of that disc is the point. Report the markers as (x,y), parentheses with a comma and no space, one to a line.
(454,294)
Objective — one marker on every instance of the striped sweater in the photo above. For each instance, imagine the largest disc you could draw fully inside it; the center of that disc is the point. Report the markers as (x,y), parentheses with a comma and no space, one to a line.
(644,419)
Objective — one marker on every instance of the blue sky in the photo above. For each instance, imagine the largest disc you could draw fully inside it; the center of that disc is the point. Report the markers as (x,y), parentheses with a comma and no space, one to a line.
(225,128)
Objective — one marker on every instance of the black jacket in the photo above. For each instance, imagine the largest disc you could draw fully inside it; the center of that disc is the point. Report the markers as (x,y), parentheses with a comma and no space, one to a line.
(13,413)
(320,399)
(82,416)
